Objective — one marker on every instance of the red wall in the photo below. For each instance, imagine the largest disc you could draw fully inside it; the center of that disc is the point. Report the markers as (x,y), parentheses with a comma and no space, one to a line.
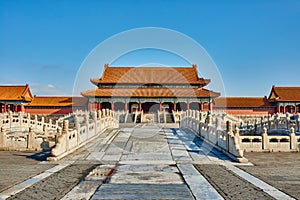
(48,111)
(247,111)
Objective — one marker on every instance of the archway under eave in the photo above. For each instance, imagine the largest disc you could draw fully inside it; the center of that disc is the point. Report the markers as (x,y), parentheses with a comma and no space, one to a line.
(282,109)
(133,106)
(106,105)
(181,106)
(194,106)
(205,106)
(167,106)
(150,107)
(119,106)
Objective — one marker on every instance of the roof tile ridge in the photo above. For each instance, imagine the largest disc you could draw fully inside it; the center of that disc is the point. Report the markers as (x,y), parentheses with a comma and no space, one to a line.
(25,90)
(194,68)
(106,66)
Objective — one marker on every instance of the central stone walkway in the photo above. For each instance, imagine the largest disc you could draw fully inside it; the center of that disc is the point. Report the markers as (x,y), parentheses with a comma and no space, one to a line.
(151,162)
(143,162)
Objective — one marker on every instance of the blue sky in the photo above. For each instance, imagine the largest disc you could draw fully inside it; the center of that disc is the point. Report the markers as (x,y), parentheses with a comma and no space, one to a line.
(255,44)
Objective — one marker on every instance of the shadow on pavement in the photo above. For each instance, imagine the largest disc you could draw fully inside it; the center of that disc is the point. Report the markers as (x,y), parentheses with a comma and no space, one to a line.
(38,156)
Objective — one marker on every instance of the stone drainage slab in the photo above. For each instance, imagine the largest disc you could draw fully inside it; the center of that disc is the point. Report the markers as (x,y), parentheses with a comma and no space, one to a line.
(143,191)
(146,174)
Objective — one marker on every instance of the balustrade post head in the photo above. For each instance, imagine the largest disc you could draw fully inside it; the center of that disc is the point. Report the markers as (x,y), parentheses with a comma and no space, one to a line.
(228,126)
(236,131)
(265,130)
(99,114)
(292,130)
(59,131)
(65,126)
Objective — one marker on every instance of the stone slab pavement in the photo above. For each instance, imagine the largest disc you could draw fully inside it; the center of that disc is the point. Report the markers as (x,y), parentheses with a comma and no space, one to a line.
(281,170)
(144,161)
(16,167)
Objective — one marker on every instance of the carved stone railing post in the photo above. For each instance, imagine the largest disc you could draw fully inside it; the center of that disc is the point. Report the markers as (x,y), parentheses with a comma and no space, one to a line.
(50,123)
(77,128)
(255,126)
(43,121)
(229,134)
(276,121)
(45,129)
(198,115)
(76,123)
(298,122)
(87,118)
(21,119)
(237,142)
(293,140)
(218,123)
(287,120)
(2,138)
(229,127)
(65,131)
(10,120)
(99,115)
(35,121)
(208,119)
(59,131)
(265,139)
(262,123)
(28,119)
(30,138)
(201,116)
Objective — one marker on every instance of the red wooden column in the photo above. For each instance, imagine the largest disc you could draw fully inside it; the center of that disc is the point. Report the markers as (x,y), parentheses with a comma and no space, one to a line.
(278,109)
(283,109)
(201,107)
(188,106)
(90,106)
(16,108)
(174,106)
(4,108)
(126,106)
(210,106)
(22,108)
(113,106)
(140,106)
(98,106)
(160,106)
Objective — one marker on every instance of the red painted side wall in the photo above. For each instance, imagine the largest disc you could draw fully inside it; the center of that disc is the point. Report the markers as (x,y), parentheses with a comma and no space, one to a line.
(49,111)
(246,111)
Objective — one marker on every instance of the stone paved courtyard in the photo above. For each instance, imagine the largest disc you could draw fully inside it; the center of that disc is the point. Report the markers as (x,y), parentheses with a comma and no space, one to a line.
(144,162)
(281,170)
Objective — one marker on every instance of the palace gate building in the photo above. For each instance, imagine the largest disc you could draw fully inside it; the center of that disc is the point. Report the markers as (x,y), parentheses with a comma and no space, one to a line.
(286,99)
(13,98)
(150,89)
